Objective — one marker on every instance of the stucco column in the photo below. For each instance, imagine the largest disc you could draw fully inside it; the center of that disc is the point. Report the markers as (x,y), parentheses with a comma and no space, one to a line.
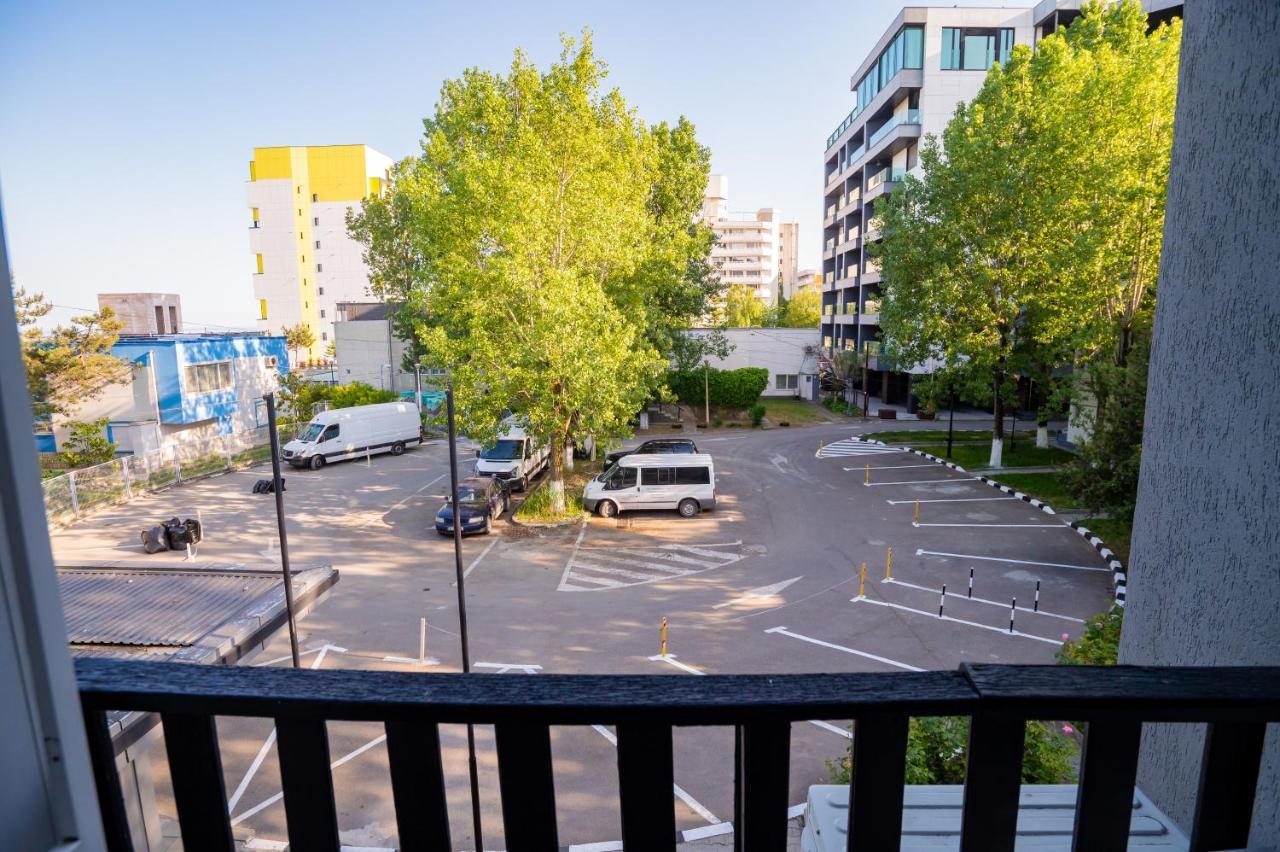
(1204,583)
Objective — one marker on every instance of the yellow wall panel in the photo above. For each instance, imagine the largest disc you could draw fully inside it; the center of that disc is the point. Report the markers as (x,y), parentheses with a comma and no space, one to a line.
(272,163)
(259,256)
(337,172)
(262,308)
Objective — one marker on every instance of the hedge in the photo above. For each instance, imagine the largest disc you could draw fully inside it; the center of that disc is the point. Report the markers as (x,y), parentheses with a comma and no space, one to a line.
(730,388)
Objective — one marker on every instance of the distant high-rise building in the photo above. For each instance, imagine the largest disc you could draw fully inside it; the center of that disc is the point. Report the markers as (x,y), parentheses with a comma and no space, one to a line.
(750,246)
(305,263)
(788,256)
(145,313)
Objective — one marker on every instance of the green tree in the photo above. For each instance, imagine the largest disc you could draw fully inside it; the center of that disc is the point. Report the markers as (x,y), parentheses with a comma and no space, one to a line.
(299,336)
(742,308)
(67,365)
(87,444)
(533,253)
(803,310)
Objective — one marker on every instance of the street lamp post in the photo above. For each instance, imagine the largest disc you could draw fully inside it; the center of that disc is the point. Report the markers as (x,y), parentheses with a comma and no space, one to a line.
(381,382)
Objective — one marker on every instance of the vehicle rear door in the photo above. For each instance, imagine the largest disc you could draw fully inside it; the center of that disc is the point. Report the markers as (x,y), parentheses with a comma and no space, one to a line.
(657,488)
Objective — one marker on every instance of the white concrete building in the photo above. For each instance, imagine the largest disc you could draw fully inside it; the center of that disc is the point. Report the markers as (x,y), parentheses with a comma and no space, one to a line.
(789,354)
(305,263)
(749,248)
(788,257)
(145,313)
(367,350)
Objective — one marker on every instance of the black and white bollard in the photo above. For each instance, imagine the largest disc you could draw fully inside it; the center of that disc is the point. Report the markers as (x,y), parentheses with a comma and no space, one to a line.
(942,600)
(1013,607)
(1035,605)
(970,582)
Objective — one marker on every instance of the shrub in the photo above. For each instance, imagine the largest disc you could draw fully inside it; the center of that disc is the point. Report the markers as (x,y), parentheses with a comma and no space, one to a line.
(757,413)
(729,388)
(1100,643)
(87,445)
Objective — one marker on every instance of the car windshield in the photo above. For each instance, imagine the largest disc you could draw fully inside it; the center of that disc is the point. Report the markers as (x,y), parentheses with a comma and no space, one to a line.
(312,432)
(504,450)
(470,496)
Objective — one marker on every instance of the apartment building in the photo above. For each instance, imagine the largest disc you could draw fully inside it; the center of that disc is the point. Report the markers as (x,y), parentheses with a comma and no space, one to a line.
(750,246)
(788,257)
(145,313)
(927,61)
(305,263)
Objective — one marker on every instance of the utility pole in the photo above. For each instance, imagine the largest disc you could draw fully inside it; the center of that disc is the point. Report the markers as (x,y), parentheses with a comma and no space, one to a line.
(417,385)
(951,421)
(706,391)
(278,488)
(866,390)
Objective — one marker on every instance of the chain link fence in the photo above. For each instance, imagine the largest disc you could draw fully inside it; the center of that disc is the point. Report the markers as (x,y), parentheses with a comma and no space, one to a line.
(74,494)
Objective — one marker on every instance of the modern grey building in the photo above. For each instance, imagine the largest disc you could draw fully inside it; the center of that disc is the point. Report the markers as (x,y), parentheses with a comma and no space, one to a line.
(927,61)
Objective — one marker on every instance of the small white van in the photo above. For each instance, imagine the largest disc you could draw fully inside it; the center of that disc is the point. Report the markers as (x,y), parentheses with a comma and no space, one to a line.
(514,457)
(348,433)
(685,482)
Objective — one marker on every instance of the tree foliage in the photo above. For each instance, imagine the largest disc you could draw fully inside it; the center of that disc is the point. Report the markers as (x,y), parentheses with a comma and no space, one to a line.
(87,444)
(299,397)
(802,310)
(1099,645)
(743,308)
(67,365)
(299,336)
(1031,239)
(543,248)
(738,388)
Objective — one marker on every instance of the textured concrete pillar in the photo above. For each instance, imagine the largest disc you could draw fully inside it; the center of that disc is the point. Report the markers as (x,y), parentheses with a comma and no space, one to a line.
(1204,583)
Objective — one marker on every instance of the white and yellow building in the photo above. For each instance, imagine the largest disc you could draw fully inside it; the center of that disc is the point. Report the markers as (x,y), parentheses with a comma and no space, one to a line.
(304,261)
(755,249)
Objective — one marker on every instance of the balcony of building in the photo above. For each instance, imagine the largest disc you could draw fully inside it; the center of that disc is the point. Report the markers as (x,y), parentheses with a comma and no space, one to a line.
(882,181)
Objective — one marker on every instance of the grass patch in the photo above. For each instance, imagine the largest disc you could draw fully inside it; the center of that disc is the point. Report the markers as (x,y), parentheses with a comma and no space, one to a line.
(930,435)
(1049,487)
(978,455)
(792,410)
(1116,532)
(536,508)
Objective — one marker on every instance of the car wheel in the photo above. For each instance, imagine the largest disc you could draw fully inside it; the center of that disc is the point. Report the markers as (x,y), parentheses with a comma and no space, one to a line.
(506,503)
(521,484)
(317,462)
(607,509)
(688,507)
(397,448)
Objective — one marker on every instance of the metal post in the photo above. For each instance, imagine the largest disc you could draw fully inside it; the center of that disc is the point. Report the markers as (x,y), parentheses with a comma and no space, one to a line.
(664,636)
(124,472)
(970,582)
(1035,606)
(417,386)
(951,422)
(866,389)
(1013,608)
(942,600)
(278,487)
(462,613)
(706,392)
(862,582)
(75,499)
(888,565)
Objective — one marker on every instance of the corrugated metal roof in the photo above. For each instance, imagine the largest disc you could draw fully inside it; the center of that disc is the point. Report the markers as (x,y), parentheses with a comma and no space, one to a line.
(153,608)
(129,652)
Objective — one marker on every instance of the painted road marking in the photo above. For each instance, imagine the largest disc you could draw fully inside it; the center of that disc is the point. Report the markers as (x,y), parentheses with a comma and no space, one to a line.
(1000,604)
(475,562)
(504,668)
(782,631)
(832,728)
(762,595)
(1012,561)
(921,481)
(346,758)
(1005,526)
(600,568)
(892,467)
(1002,630)
(696,806)
(949,500)
(853,447)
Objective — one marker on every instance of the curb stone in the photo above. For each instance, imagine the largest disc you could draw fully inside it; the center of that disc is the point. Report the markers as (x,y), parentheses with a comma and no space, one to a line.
(1118,577)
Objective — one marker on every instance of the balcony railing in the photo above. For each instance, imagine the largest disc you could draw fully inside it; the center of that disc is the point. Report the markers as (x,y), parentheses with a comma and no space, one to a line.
(1114,702)
(911,116)
(886,175)
(844,125)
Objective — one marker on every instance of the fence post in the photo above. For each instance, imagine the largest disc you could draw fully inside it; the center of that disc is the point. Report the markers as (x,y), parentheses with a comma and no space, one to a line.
(75,501)
(226,450)
(177,466)
(124,472)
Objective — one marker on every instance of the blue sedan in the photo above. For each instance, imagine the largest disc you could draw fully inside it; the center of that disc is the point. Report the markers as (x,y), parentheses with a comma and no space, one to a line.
(482,501)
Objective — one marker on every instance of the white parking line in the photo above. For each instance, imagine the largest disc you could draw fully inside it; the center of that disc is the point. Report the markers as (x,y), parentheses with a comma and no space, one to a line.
(949,500)
(782,631)
(1001,630)
(1012,561)
(832,728)
(696,806)
(1006,526)
(892,466)
(922,481)
(1000,604)
(671,658)
(475,562)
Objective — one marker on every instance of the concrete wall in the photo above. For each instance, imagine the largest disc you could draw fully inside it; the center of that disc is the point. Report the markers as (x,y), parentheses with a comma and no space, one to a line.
(1204,580)
(778,350)
(363,348)
(138,311)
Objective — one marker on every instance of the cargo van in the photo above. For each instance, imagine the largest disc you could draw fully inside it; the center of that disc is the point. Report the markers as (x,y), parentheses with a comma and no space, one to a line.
(348,433)
(514,457)
(685,482)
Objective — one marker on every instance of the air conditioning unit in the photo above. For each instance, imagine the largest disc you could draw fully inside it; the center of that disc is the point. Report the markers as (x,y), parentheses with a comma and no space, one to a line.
(272,362)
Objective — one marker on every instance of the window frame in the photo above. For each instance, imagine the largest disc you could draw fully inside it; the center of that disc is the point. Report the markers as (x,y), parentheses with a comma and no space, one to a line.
(1001,40)
(193,381)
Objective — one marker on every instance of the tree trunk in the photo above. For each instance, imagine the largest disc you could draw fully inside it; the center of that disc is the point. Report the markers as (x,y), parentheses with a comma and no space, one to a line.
(568,458)
(1042,436)
(555,482)
(997,426)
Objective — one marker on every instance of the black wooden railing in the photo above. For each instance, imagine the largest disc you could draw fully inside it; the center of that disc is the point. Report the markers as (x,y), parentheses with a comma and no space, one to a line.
(1115,702)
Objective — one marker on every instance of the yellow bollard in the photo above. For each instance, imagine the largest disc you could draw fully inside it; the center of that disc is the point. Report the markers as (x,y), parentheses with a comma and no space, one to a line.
(867,481)
(664,635)
(821,445)
(862,582)
(917,520)
(888,565)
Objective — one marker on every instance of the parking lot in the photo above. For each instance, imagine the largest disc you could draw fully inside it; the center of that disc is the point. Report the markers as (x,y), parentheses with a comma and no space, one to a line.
(768,582)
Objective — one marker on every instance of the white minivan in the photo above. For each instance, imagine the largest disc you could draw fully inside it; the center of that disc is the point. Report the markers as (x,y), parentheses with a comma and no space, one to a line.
(685,482)
(348,433)
(515,457)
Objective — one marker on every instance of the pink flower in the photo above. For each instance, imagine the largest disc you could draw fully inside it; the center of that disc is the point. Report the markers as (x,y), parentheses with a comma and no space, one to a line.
(1067,729)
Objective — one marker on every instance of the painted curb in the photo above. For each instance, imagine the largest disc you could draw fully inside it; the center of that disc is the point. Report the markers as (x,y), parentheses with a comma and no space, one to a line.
(1118,577)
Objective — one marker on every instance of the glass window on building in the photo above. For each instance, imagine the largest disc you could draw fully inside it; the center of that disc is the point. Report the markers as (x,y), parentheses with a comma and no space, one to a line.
(975,49)
(204,378)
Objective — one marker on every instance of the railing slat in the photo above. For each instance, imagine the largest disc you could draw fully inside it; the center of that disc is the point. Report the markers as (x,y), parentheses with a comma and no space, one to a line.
(763,781)
(307,782)
(527,786)
(1228,783)
(1104,796)
(876,788)
(195,771)
(645,778)
(989,821)
(106,778)
(417,785)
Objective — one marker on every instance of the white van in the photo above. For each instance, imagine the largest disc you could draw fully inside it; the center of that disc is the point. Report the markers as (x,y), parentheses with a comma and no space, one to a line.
(514,457)
(686,482)
(348,433)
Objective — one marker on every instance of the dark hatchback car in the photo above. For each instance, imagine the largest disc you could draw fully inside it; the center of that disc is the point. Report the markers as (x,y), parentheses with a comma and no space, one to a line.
(483,500)
(659,445)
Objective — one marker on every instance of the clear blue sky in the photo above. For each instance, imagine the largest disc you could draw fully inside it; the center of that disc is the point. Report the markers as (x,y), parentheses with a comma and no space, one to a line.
(126,128)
